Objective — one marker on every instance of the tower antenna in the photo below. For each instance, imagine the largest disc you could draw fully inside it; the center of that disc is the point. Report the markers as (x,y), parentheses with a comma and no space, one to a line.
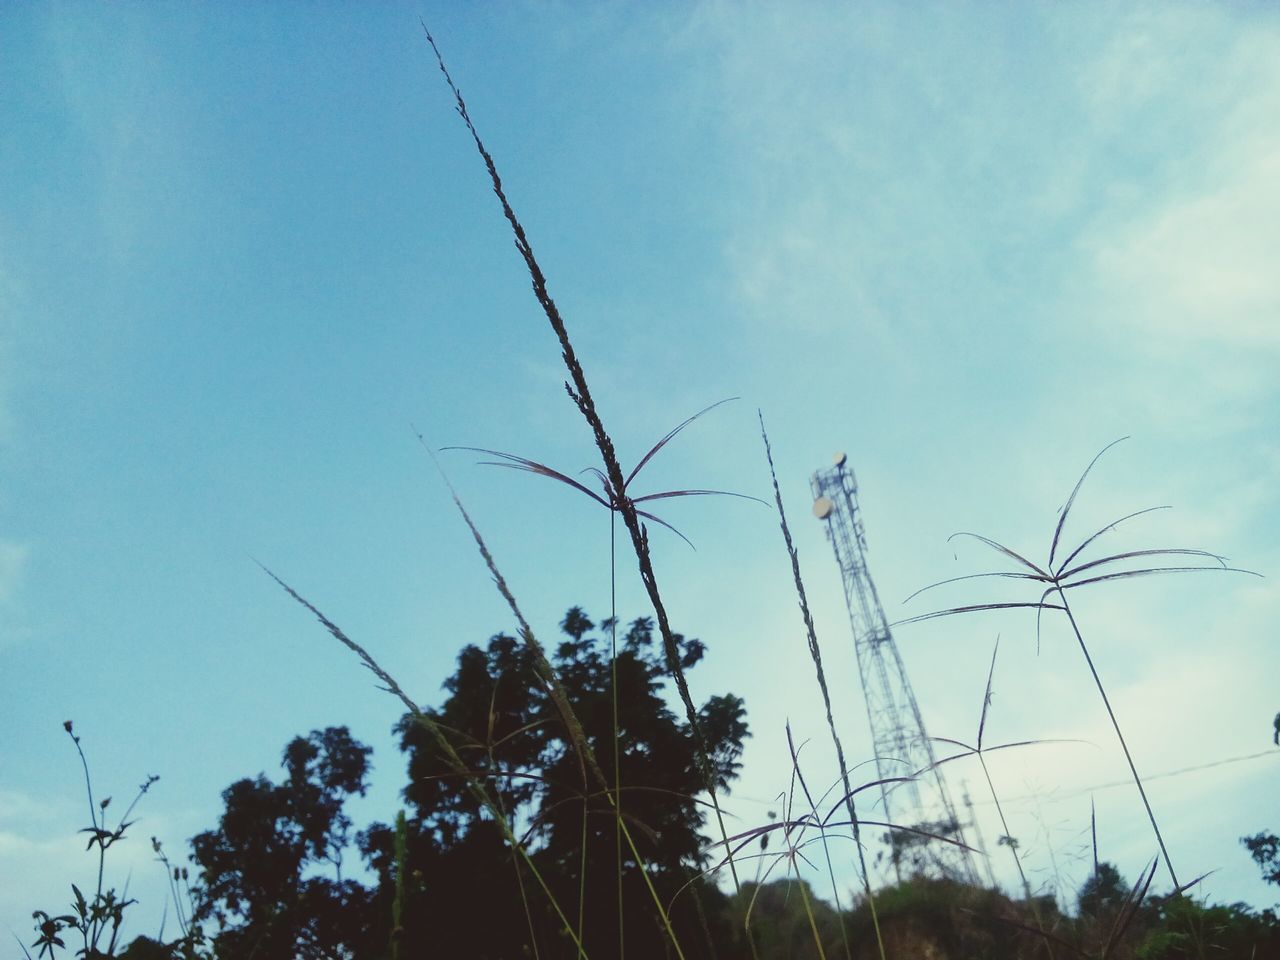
(902,747)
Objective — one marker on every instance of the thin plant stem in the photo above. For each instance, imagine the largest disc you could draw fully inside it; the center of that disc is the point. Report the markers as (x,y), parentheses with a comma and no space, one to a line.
(835,895)
(808,909)
(1017,860)
(88,782)
(397,902)
(515,863)
(91,934)
(582,877)
(617,737)
(1115,723)
(995,798)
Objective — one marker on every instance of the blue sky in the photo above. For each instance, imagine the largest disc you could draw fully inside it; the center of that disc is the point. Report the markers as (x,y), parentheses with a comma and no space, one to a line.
(242,249)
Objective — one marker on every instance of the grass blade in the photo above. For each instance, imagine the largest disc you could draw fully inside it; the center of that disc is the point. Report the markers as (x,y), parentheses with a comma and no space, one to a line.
(975,608)
(1130,554)
(1111,526)
(1011,554)
(1127,574)
(979,576)
(1066,509)
(532,466)
(667,439)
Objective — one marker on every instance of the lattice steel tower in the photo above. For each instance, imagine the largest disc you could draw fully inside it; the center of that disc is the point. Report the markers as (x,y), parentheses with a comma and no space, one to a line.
(902,746)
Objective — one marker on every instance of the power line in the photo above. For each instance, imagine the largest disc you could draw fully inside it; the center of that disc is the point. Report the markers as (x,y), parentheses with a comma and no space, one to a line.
(1097,786)
(1155,776)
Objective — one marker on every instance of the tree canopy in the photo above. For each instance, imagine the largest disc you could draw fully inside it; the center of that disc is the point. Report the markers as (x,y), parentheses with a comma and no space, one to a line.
(447,881)
(258,880)
(503,722)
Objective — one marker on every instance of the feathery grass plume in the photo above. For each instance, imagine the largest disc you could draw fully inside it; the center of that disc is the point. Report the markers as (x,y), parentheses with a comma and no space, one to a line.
(542,666)
(447,751)
(815,653)
(580,393)
(1059,576)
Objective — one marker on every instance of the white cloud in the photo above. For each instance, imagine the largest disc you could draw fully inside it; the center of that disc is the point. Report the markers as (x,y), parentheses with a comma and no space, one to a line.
(42,854)
(1191,99)
(1202,266)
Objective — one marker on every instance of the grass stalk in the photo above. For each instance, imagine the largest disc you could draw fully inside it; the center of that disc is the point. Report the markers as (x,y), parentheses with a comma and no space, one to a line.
(813,922)
(515,864)
(815,652)
(582,874)
(397,902)
(1115,723)
(580,393)
(617,737)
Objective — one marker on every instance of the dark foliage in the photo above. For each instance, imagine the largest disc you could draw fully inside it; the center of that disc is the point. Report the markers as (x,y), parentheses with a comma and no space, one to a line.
(1265,850)
(1185,929)
(465,893)
(1104,893)
(257,868)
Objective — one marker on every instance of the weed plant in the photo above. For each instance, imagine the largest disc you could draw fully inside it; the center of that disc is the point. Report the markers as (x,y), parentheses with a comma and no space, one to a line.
(95,924)
(1071,573)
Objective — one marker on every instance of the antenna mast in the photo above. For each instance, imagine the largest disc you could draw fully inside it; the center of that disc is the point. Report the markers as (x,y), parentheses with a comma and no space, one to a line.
(902,747)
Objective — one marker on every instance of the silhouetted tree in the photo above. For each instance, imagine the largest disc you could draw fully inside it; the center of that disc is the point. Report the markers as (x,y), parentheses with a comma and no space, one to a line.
(780,925)
(467,894)
(1265,850)
(1104,893)
(258,880)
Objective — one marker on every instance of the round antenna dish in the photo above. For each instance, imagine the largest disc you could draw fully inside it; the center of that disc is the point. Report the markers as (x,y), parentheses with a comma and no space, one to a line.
(839,459)
(823,508)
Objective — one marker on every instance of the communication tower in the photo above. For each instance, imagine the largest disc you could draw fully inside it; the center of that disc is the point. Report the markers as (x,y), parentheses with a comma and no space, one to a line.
(902,747)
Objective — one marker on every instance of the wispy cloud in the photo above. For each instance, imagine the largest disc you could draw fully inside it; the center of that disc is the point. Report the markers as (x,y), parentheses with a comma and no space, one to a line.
(1201,266)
